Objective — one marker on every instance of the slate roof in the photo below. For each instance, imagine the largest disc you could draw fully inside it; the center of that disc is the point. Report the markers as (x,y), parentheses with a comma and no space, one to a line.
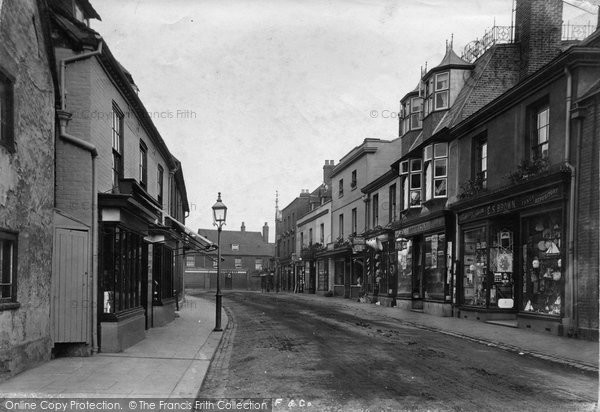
(251,243)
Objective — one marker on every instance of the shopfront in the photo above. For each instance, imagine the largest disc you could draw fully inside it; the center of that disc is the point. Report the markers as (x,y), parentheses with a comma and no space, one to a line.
(380,271)
(322,276)
(512,258)
(424,254)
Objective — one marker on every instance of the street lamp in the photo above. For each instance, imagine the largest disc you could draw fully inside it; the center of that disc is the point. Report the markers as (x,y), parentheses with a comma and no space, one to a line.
(219,216)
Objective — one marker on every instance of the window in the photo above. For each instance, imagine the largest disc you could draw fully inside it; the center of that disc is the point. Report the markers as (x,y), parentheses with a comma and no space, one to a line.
(437,92)
(354,223)
(258,263)
(353,182)
(481,164)
(412,114)
(8,267)
(190,261)
(162,273)
(310,236)
(322,233)
(341,188)
(238,263)
(6,112)
(159,180)
(143,164)
(301,240)
(341,225)
(215,262)
(117,145)
(392,203)
(415,186)
(541,133)
(440,170)
(235,246)
(375,210)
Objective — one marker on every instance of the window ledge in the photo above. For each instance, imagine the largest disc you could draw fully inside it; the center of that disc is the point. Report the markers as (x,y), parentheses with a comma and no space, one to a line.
(9,306)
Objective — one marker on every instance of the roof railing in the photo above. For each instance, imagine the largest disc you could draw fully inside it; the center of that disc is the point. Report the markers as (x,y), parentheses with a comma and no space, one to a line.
(496,35)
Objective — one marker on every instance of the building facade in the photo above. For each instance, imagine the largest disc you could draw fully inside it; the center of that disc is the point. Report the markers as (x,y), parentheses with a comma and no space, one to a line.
(246,261)
(120,199)
(27,97)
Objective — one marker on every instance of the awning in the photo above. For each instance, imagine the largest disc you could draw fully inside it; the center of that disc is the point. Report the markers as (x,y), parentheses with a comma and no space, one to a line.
(193,239)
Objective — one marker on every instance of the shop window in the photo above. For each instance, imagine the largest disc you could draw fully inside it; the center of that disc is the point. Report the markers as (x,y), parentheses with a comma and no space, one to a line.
(323,277)
(258,263)
(434,274)
(540,138)
(6,112)
(502,268)
(190,261)
(162,273)
(124,259)
(543,277)
(339,272)
(475,267)
(8,267)
(117,145)
(404,253)
(375,210)
(416,168)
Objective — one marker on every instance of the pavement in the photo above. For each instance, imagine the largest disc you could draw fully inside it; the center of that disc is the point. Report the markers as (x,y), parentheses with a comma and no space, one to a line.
(173,360)
(170,363)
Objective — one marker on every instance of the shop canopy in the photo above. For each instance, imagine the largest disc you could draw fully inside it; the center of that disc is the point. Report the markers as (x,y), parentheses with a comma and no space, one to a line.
(193,240)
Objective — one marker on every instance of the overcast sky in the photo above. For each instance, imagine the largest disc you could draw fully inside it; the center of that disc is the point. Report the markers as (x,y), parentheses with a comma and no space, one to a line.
(253,95)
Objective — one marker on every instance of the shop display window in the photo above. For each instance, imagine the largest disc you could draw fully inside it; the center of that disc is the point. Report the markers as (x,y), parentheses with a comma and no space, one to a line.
(339,272)
(404,253)
(475,267)
(543,271)
(434,275)
(502,268)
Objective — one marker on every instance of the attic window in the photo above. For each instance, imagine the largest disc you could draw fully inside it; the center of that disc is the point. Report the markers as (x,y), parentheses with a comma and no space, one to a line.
(437,91)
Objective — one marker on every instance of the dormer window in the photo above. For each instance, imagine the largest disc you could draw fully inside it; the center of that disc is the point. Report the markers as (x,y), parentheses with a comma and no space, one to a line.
(435,159)
(412,111)
(437,92)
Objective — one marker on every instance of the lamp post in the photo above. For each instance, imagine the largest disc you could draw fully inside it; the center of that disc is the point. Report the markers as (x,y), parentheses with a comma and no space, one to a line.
(219,216)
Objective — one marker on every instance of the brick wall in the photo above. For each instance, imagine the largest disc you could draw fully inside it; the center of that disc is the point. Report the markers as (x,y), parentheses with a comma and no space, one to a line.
(538,26)
(588,210)
(26,187)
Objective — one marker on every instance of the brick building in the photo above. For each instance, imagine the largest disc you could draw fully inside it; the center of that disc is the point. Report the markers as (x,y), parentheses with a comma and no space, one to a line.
(120,199)
(246,261)
(27,85)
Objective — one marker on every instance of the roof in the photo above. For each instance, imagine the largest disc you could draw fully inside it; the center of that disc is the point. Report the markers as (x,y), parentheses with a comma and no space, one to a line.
(450,60)
(251,243)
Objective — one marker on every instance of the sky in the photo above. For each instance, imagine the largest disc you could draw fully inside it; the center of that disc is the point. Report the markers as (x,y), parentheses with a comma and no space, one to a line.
(252,96)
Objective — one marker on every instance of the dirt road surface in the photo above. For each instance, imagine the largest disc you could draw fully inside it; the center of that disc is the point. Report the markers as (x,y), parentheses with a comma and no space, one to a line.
(308,355)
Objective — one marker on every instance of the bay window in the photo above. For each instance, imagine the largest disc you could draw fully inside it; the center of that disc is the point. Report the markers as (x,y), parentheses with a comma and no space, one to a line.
(435,158)
(415,186)
(437,92)
(412,114)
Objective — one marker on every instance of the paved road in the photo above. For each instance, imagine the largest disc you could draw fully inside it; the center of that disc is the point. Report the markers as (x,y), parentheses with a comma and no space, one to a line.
(343,359)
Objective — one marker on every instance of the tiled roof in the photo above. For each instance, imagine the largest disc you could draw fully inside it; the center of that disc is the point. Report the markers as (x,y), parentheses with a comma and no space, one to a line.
(251,243)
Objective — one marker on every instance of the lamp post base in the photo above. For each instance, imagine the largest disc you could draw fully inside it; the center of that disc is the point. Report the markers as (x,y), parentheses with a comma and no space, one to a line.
(218,327)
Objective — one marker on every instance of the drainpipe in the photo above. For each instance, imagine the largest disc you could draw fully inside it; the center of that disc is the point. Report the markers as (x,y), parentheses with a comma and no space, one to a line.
(64,118)
(570,311)
(63,69)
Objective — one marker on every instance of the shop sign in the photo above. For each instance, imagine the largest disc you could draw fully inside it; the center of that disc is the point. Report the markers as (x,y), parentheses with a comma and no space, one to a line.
(421,227)
(358,240)
(533,199)
(358,248)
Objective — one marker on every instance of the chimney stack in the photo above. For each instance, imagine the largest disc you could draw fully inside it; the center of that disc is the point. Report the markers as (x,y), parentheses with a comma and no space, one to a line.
(538,31)
(327,171)
(265,233)
(243,228)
